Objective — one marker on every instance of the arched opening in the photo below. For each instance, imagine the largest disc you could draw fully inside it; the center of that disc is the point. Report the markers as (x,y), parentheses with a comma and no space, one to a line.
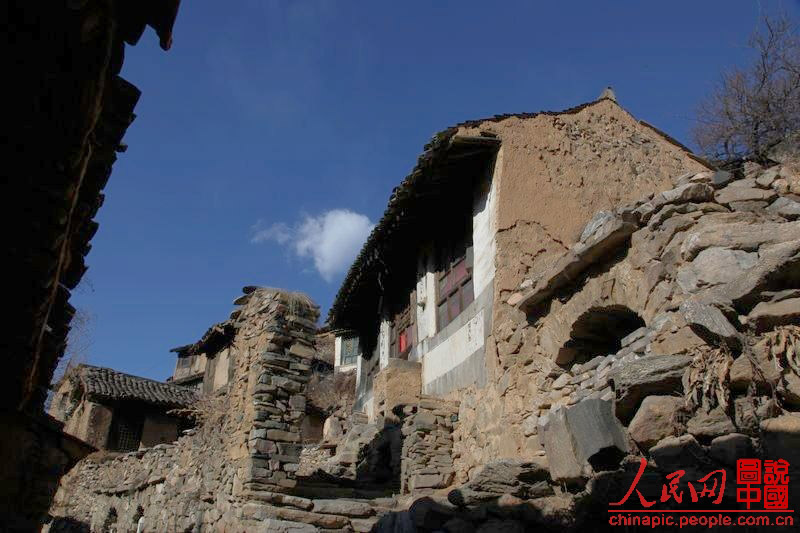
(598,331)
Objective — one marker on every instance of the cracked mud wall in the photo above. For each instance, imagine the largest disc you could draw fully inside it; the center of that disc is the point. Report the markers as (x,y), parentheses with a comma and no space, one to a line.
(558,170)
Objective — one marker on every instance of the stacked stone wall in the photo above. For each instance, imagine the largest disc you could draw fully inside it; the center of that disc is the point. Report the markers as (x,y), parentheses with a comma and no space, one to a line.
(248,438)
(426,460)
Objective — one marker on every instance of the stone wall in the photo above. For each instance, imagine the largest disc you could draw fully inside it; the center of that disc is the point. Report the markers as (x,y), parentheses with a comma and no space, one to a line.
(669,325)
(426,460)
(247,439)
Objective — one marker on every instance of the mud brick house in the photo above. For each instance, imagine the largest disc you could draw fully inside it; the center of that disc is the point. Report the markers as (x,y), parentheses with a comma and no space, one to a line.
(488,202)
(119,412)
(204,365)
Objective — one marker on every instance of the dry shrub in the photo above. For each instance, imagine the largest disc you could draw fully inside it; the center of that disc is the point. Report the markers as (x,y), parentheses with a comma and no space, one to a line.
(209,410)
(784,348)
(333,391)
(709,379)
(755,107)
(324,344)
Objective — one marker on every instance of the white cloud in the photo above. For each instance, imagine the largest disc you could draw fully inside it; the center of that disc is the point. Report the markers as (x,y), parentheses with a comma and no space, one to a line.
(280,233)
(331,239)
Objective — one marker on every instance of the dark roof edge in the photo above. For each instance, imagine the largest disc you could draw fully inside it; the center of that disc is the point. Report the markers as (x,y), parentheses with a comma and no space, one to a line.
(84,365)
(667,137)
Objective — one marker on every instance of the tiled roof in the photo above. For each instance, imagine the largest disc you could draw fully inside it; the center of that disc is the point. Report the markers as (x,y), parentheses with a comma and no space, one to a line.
(107,384)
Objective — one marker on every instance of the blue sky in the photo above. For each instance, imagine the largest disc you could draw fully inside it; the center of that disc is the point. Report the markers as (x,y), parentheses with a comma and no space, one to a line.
(268,139)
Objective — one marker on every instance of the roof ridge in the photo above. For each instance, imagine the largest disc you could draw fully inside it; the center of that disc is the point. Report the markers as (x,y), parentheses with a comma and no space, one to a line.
(134,376)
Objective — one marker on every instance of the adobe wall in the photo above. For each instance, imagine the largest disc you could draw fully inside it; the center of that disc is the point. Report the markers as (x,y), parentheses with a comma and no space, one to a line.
(556,171)
(159,429)
(553,173)
(86,420)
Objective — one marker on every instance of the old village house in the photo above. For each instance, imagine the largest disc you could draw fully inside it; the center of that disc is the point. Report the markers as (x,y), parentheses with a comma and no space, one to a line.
(488,202)
(119,412)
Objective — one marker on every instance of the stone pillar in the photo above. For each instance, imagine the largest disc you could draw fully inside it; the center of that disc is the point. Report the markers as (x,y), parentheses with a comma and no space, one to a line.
(426,460)
(279,373)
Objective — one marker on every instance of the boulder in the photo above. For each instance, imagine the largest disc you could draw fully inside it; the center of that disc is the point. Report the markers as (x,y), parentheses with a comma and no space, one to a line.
(709,424)
(742,371)
(689,192)
(728,448)
(652,374)
(786,151)
(766,177)
(713,266)
(658,417)
(582,437)
(363,525)
(343,507)
(785,207)
(742,235)
(302,350)
(709,323)
(749,411)
(598,220)
(634,336)
(748,206)
(264,512)
(767,315)
(789,389)
(675,453)
(734,193)
(778,266)
(721,178)
(607,236)
(427,481)
(331,429)
(517,478)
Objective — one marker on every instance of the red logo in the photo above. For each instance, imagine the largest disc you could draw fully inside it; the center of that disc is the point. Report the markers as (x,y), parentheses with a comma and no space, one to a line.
(774,494)
(768,485)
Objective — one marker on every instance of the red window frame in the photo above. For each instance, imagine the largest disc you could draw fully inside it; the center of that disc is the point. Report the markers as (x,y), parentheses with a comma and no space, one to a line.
(454,289)
(404,332)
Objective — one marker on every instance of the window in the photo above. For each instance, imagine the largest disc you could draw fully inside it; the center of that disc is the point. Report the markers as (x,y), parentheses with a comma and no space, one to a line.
(126,432)
(349,351)
(403,335)
(454,291)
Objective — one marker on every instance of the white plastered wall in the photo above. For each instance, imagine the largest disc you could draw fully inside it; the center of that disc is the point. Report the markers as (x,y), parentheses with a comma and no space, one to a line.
(484,229)
(383,342)
(426,303)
